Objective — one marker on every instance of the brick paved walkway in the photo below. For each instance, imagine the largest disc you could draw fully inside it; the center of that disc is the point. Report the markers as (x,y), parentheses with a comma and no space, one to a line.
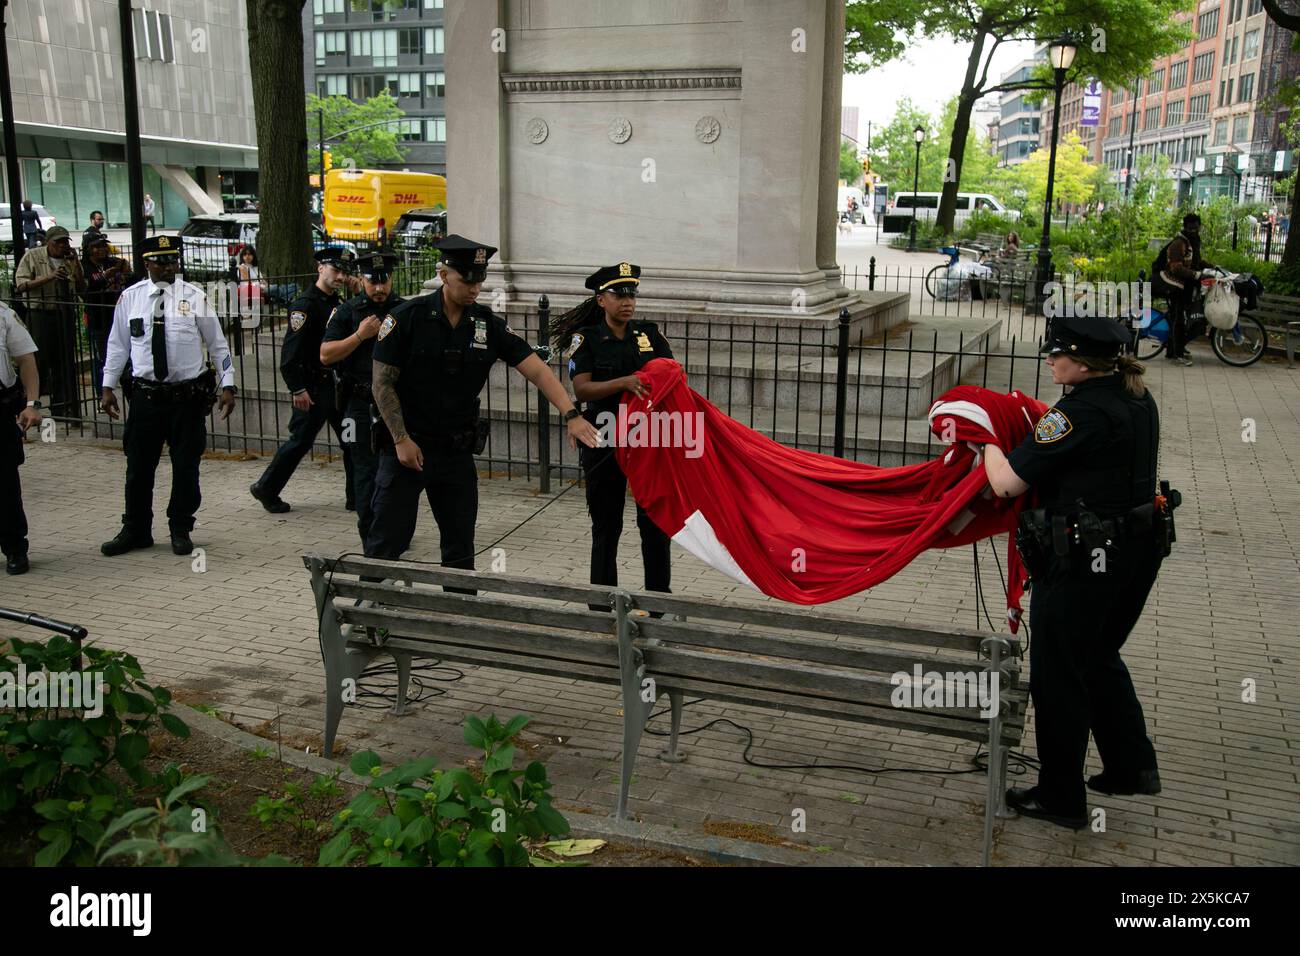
(241,636)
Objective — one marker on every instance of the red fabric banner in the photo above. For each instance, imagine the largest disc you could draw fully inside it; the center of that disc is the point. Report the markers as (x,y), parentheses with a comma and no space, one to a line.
(809,528)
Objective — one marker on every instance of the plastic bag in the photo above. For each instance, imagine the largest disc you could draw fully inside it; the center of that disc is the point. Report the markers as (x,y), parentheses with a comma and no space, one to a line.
(1221,305)
(955,284)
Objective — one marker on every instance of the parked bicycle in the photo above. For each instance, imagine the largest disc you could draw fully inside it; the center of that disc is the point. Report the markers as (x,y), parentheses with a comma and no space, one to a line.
(1239,346)
(940,281)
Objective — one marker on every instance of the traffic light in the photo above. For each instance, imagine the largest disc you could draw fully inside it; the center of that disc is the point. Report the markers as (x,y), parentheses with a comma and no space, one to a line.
(329,160)
(866,166)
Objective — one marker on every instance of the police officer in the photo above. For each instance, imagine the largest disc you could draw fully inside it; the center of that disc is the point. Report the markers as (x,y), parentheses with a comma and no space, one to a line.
(605,352)
(432,358)
(20,409)
(162,324)
(348,346)
(310,382)
(1093,551)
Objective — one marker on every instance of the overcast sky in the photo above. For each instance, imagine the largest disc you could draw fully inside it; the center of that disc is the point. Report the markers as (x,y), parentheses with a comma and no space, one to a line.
(929,74)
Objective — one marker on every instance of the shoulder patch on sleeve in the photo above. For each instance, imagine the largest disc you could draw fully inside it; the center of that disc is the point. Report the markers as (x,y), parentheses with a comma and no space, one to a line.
(297,319)
(388,325)
(574,344)
(1053,426)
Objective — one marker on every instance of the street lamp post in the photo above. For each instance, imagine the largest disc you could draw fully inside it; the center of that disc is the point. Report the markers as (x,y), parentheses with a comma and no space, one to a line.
(1132,131)
(1061,54)
(919,135)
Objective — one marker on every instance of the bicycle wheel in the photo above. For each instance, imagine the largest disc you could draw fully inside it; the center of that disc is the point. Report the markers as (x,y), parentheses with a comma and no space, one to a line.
(1247,351)
(1152,337)
(933,277)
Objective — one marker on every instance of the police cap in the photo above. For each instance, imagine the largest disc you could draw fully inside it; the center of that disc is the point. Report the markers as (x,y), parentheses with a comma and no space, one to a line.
(377,266)
(1094,337)
(621,279)
(340,257)
(160,249)
(466,256)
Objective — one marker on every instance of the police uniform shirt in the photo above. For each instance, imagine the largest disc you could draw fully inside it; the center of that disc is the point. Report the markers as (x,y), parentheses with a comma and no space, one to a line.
(1097,443)
(343,324)
(300,355)
(15,342)
(443,368)
(189,325)
(596,350)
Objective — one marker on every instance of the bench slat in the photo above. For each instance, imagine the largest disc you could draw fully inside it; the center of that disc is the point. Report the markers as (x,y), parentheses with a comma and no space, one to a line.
(525,662)
(479,608)
(470,632)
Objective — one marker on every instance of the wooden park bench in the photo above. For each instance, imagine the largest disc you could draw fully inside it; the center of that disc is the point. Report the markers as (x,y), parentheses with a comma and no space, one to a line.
(1281,317)
(781,658)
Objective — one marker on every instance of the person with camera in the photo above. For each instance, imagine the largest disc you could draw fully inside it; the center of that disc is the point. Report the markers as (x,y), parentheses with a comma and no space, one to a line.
(50,278)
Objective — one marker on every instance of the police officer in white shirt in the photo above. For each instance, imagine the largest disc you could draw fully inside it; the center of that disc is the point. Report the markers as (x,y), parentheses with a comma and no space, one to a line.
(162,324)
(20,410)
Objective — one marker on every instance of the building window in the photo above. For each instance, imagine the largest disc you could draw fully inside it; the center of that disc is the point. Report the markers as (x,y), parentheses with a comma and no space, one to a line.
(1241,128)
(1256,6)
(1198,108)
(1112,128)
(433,4)
(433,41)
(321,8)
(153,36)
(1250,45)
(366,85)
(1203,67)
(1152,118)
(332,85)
(379,45)
(409,130)
(1207,24)
(1157,81)
(1173,113)
(1227,100)
(380,11)
(1246,88)
(408,42)
(330,43)
(436,129)
(408,84)
(435,84)
(1220,132)
(1178,75)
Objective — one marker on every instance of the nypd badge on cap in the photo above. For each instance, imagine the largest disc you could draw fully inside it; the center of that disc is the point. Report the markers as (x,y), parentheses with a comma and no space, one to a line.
(466,256)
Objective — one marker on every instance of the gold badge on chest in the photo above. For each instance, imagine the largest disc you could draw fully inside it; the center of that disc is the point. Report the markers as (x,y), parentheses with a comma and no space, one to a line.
(480,333)
(643,343)
(183,307)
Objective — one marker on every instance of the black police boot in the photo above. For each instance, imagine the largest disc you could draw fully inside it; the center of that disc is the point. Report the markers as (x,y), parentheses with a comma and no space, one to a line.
(350,504)
(126,540)
(181,543)
(1146,783)
(272,503)
(17,564)
(1026,803)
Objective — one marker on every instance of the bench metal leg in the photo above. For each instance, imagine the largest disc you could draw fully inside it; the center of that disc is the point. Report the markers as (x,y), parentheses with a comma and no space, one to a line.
(403,680)
(1292,332)
(672,754)
(995,798)
(635,710)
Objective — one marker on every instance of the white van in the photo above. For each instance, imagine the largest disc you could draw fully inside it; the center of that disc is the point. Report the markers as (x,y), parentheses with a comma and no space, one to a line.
(927,206)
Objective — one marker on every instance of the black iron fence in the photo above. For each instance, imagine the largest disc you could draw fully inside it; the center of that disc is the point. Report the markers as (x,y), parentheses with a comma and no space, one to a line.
(858,385)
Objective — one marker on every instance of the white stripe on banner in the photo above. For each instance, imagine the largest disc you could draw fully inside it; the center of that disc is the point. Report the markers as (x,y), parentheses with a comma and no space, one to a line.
(967,410)
(698,538)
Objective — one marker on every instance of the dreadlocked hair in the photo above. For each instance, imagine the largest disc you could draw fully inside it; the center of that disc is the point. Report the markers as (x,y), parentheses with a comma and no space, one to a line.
(1126,365)
(580,316)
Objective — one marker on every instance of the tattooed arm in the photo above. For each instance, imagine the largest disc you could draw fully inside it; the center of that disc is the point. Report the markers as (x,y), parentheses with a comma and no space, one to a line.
(384,380)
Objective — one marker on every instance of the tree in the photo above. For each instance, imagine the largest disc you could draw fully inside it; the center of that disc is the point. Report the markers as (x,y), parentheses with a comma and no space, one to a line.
(1118,40)
(1287,98)
(850,165)
(1288,21)
(1075,179)
(895,150)
(361,148)
(275,61)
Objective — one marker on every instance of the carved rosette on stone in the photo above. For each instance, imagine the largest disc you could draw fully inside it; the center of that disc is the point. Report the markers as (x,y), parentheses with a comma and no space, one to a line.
(620,129)
(708,129)
(537,130)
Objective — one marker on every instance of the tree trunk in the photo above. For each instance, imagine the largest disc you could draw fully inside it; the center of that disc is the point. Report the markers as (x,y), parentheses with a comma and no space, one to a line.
(960,130)
(1291,251)
(280,104)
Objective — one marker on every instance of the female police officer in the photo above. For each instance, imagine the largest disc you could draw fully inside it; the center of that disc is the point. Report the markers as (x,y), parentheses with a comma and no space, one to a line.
(1092,461)
(605,349)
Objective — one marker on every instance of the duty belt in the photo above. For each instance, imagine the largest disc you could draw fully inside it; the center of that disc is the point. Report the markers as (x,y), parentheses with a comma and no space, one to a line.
(195,389)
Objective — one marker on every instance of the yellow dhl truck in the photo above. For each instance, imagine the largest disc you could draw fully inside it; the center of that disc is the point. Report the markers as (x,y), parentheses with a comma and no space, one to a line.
(361,202)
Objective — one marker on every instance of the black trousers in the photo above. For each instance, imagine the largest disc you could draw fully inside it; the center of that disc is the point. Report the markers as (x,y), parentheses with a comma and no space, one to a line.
(13,520)
(365,464)
(303,429)
(606,492)
(1181,302)
(182,425)
(1080,618)
(55,335)
(449,482)
(99,322)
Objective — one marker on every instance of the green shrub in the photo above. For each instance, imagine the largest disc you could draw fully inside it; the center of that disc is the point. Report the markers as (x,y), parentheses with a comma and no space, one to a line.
(448,818)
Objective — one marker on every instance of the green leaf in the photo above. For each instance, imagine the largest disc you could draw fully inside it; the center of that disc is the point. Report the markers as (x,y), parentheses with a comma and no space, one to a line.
(131,749)
(535,772)
(175,726)
(40,775)
(500,760)
(551,820)
(494,727)
(55,851)
(363,762)
(188,841)
(448,845)
(130,846)
(418,832)
(334,852)
(390,828)
(479,841)
(516,724)
(188,785)
(80,756)
(452,810)
(475,733)
(128,820)
(53,809)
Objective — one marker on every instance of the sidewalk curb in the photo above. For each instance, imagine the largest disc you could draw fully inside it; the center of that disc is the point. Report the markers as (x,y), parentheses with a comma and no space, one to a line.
(649,836)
